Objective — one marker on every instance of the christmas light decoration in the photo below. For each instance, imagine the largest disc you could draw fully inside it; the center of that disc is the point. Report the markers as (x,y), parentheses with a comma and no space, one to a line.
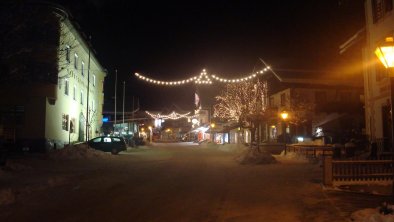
(242,101)
(203,78)
(245,78)
(172,116)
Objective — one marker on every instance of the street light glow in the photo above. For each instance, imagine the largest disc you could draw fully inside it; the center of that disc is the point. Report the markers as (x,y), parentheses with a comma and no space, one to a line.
(284,115)
(385,52)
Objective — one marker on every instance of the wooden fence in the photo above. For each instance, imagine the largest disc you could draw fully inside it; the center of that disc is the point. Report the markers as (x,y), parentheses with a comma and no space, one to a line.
(354,172)
(310,151)
(348,172)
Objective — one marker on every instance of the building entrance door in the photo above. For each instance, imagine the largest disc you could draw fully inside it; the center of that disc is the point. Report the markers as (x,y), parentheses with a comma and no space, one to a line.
(81,131)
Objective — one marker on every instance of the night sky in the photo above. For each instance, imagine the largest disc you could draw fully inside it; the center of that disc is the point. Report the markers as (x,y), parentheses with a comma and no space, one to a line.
(171,40)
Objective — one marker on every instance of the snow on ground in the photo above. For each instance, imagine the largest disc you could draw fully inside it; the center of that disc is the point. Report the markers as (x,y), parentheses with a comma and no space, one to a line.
(291,157)
(17,168)
(371,215)
(255,156)
(81,151)
(244,155)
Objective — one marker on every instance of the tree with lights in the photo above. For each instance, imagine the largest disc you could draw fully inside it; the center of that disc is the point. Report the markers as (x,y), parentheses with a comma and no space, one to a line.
(301,109)
(243,102)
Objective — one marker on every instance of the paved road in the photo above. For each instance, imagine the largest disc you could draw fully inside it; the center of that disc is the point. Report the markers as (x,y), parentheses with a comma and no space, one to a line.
(172,182)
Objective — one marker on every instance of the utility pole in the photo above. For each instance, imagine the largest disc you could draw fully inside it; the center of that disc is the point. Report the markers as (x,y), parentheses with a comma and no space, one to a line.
(87,95)
(123,102)
(116,80)
(132,117)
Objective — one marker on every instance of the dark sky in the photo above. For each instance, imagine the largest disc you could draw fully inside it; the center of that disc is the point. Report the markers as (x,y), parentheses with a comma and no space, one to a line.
(171,40)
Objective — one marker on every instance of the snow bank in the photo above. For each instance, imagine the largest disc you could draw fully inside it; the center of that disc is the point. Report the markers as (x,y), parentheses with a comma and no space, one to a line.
(254,156)
(81,151)
(371,215)
(293,157)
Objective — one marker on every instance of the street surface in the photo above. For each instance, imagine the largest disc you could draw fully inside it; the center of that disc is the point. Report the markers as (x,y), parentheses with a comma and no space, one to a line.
(173,182)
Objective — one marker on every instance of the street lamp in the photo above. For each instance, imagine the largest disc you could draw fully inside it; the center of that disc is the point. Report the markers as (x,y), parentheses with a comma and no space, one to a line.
(212,133)
(385,53)
(284,115)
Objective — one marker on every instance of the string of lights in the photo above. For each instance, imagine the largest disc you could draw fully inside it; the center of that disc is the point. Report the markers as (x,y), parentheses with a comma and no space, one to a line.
(203,78)
(172,116)
(245,78)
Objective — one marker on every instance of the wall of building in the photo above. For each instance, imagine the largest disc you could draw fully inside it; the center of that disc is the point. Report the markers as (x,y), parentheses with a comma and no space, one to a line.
(376,79)
(74,105)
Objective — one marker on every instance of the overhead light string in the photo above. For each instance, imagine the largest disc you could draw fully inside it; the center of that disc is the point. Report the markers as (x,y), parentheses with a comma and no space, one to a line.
(173,116)
(203,78)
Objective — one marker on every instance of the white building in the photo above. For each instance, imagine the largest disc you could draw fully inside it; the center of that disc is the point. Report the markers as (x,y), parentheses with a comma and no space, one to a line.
(379,25)
(52,113)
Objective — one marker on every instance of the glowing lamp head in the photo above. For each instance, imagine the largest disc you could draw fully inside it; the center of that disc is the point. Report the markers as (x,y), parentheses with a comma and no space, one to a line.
(284,115)
(213,125)
(385,52)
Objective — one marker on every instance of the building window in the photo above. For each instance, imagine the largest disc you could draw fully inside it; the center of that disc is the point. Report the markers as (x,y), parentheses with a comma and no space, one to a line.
(68,54)
(75,61)
(65,119)
(81,97)
(380,8)
(283,99)
(66,85)
(75,93)
(94,80)
(82,68)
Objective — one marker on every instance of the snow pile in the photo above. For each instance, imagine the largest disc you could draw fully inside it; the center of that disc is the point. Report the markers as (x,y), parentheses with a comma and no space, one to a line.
(208,144)
(81,151)
(373,215)
(232,147)
(254,156)
(292,156)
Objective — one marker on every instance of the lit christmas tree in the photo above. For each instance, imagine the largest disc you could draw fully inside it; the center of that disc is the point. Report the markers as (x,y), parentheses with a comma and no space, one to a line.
(244,102)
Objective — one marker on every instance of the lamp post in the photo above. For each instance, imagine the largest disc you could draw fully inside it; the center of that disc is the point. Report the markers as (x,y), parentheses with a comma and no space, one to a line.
(284,115)
(385,53)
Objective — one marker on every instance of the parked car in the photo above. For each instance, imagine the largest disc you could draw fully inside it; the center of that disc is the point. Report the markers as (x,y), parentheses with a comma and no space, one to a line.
(111,144)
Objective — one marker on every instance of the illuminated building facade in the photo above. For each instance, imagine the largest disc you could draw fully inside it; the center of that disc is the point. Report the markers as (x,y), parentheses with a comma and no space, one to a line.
(379,25)
(314,103)
(60,97)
